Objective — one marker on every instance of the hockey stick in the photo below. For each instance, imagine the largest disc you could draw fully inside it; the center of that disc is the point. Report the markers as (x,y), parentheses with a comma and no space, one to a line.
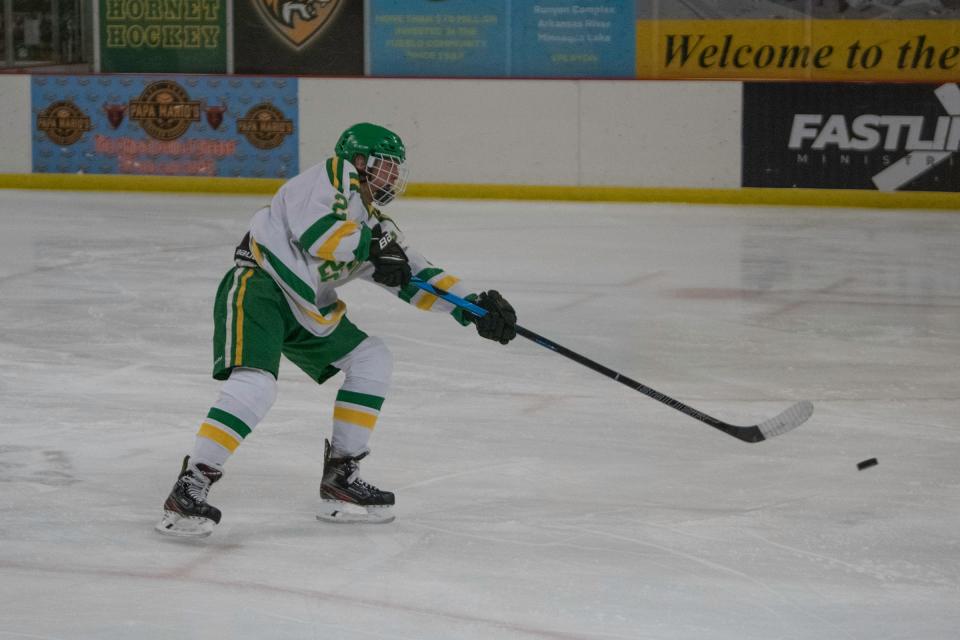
(790,419)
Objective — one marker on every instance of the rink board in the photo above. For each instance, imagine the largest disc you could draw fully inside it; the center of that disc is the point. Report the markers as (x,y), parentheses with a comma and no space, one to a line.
(545,139)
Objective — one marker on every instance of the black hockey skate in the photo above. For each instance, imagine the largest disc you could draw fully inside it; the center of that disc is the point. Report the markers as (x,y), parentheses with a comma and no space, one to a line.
(347,498)
(186,512)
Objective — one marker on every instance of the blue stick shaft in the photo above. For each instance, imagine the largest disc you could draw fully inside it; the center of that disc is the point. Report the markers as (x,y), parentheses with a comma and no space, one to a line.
(449,297)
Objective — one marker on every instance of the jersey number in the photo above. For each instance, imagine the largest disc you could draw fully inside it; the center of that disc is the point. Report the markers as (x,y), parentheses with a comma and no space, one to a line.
(331,270)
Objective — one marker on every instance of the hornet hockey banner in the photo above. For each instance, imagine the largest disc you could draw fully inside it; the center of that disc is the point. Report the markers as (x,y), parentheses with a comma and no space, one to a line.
(165,125)
(167,37)
(852,136)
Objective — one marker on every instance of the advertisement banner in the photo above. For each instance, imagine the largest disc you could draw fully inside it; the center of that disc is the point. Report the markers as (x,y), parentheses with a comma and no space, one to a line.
(315,37)
(502,38)
(454,38)
(165,125)
(886,137)
(804,49)
(586,39)
(142,36)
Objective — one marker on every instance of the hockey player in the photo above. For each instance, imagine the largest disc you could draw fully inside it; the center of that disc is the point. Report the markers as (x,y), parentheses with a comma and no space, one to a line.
(321,230)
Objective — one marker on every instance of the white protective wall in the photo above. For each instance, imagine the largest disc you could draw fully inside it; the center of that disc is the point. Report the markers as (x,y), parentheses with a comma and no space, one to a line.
(540,132)
(660,134)
(520,132)
(472,131)
(16,124)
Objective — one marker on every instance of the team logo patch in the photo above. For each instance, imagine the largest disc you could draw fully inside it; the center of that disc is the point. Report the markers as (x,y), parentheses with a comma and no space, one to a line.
(265,126)
(297,21)
(63,122)
(164,110)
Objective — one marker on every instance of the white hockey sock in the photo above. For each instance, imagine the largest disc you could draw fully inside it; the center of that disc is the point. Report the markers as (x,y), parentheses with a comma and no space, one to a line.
(368,368)
(244,400)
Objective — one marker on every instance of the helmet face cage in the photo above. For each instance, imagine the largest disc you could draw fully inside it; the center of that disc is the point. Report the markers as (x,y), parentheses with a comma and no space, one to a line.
(386,176)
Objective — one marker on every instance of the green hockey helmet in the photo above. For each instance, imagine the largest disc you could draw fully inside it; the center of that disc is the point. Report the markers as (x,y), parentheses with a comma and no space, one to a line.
(384,176)
(370,140)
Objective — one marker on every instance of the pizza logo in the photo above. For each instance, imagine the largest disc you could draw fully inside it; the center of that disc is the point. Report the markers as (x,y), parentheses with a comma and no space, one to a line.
(265,126)
(297,21)
(63,122)
(164,110)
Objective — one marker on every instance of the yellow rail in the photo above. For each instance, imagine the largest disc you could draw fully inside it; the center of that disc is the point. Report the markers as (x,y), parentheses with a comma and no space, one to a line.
(266,186)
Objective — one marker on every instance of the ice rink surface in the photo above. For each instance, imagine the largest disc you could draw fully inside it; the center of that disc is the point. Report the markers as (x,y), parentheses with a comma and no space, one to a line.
(536,499)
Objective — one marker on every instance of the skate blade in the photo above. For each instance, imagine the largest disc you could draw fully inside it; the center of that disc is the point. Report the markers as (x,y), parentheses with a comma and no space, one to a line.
(176,525)
(347,512)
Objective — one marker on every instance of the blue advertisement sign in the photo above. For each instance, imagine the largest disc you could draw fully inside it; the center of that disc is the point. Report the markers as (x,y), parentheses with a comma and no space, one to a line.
(183,125)
(502,38)
(450,38)
(583,39)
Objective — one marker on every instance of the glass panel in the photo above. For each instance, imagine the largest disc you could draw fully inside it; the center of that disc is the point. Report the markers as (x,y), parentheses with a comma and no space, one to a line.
(3,36)
(32,31)
(6,33)
(38,32)
(69,47)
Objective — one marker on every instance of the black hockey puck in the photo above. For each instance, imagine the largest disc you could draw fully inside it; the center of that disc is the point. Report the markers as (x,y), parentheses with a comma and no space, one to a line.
(866,464)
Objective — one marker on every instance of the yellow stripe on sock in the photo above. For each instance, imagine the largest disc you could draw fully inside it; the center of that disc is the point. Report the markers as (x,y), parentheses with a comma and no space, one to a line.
(365,420)
(426,302)
(238,356)
(226,441)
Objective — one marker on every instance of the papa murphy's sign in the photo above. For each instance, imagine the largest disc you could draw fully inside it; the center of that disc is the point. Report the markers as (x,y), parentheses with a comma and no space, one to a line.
(173,125)
(852,136)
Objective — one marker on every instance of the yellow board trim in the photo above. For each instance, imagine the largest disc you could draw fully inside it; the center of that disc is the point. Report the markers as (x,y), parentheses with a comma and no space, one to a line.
(746,195)
(93,182)
(365,420)
(238,352)
(223,439)
(461,191)
(325,252)
(426,301)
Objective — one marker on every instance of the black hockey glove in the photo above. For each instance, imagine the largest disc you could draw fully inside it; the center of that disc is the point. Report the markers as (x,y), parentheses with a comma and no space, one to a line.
(500,322)
(390,264)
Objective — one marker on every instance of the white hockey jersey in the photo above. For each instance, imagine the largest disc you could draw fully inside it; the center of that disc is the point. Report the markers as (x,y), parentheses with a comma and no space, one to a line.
(315,236)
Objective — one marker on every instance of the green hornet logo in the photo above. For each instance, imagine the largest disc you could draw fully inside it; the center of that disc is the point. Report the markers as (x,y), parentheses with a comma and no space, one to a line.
(297,21)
